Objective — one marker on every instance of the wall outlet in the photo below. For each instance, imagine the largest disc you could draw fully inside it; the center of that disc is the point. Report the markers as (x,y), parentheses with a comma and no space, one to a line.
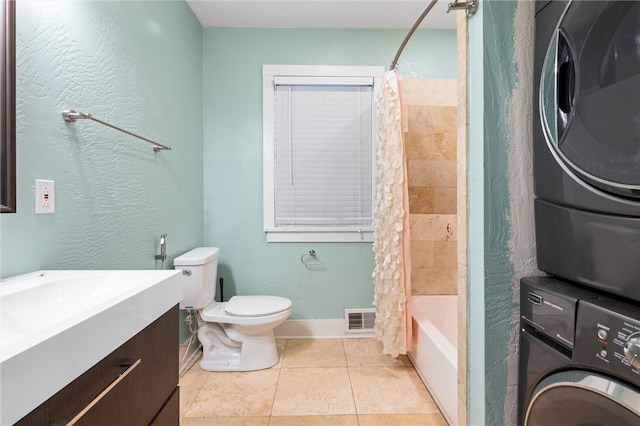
(45,196)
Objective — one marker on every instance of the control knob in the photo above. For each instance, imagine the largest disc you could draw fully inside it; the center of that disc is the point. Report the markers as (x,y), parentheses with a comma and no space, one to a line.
(632,351)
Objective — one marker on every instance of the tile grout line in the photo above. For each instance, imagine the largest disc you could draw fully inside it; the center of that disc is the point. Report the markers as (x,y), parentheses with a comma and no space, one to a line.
(353,395)
(284,349)
(202,383)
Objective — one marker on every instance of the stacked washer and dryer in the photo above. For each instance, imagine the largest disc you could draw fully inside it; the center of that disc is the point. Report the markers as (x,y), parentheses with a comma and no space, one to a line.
(580,326)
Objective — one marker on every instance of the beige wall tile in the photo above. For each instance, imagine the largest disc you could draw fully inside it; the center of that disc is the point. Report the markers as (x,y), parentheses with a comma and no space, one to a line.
(421,200)
(430,146)
(422,254)
(431,119)
(431,173)
(445,201)
(421,146)
(445,254)
(446,144)
(433,227)
(423,91)
(434,281)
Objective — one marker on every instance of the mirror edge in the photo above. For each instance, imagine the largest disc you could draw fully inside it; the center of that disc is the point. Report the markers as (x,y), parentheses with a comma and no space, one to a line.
(8,115)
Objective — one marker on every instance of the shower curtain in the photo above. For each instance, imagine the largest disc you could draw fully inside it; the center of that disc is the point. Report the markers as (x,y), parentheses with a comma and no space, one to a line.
(392,271)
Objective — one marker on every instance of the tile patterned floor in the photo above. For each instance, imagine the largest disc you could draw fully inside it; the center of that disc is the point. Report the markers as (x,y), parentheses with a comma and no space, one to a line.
(317,382)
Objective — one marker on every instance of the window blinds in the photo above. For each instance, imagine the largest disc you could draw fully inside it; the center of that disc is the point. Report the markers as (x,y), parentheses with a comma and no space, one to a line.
(323,153)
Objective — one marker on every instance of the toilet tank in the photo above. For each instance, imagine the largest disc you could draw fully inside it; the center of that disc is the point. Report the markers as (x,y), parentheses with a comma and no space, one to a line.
(199,270)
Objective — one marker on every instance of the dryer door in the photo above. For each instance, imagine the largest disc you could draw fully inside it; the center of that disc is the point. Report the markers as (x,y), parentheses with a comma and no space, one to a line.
(589,94)
(579,398)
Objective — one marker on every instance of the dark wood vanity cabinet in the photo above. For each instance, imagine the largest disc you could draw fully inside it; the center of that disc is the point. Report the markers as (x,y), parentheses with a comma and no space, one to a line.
(137,384)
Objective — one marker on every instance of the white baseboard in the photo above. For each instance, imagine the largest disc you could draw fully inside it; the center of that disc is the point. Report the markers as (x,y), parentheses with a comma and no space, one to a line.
(317,329)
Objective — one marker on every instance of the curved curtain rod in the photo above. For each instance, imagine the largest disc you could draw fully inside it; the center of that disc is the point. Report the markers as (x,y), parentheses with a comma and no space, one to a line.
(470,5)
(413,29)
(72,116)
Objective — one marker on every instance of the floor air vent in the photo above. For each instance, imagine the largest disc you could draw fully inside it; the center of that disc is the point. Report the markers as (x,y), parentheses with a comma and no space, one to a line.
(359,320)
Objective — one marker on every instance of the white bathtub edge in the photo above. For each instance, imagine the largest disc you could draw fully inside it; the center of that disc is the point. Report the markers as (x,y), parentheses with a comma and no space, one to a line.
(435,360)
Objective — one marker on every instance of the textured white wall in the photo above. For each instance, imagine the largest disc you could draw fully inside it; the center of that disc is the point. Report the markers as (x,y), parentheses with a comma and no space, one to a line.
(522,249)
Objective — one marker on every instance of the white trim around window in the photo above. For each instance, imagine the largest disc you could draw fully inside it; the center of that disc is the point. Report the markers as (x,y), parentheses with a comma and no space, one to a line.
(319,152)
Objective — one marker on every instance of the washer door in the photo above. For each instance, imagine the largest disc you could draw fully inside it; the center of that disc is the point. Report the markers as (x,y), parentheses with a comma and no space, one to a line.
(589,94)
(579,398)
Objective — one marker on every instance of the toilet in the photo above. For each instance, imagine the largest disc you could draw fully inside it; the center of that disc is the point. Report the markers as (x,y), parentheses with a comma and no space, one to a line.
(236,335)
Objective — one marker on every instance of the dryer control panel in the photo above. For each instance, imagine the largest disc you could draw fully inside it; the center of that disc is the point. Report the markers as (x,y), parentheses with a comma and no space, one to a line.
(608,337)
(549,306)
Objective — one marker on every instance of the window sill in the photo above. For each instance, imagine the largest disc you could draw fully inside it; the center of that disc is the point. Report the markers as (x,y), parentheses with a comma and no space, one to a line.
(319,237)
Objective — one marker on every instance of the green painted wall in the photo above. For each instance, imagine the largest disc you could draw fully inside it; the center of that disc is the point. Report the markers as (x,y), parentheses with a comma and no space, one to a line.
(499,79)
(233,60)
(139,66)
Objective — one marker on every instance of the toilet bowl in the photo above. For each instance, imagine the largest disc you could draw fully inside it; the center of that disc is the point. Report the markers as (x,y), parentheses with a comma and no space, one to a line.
(236,335)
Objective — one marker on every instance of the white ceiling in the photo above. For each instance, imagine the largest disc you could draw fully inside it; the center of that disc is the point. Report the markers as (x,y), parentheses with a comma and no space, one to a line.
(399,14)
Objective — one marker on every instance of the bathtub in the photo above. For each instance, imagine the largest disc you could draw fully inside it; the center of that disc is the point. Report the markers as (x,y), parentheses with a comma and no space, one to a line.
(434,352)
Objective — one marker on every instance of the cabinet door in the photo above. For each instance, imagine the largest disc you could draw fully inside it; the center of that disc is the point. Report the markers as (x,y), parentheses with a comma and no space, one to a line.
(170,413)
(128,387)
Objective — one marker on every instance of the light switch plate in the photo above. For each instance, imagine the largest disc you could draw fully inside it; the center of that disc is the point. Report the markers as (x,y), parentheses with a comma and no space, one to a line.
(45,201)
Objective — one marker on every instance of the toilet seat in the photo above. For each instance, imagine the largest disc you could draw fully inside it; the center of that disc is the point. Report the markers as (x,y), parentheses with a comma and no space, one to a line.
(254,306)
(216,312)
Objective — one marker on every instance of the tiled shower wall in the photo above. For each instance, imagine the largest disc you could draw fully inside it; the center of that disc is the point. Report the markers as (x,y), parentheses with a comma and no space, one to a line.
(429,123)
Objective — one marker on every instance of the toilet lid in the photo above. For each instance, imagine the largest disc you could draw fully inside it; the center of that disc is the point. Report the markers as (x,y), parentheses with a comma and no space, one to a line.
(253,306)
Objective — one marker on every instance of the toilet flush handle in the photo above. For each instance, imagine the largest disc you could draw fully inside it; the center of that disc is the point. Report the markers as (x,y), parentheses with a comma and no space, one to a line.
(186,272)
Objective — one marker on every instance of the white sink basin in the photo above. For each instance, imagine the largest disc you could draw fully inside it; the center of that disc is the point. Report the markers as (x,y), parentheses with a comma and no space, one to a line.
(54,325)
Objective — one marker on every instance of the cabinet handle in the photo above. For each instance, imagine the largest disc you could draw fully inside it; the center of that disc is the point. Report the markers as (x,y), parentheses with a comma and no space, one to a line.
(102,394)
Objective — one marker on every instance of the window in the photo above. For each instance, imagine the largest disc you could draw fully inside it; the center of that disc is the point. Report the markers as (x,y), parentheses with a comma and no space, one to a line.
(319,155)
